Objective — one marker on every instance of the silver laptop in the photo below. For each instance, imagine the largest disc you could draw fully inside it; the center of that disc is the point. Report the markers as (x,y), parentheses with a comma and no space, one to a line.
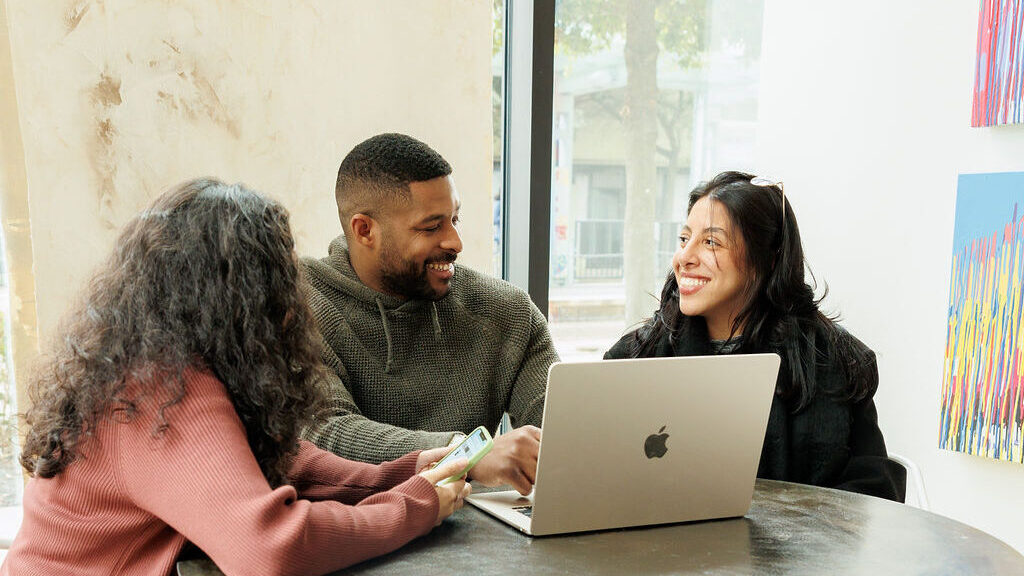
(644,441)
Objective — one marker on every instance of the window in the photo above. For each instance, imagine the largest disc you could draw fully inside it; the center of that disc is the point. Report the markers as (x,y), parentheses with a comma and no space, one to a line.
(10,469)
(632,133)
(498,131)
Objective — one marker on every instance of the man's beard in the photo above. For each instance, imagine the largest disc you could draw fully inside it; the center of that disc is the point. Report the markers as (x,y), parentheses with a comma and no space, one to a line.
(409,279)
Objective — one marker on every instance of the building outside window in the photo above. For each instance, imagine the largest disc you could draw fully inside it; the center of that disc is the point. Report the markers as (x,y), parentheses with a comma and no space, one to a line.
(650,98)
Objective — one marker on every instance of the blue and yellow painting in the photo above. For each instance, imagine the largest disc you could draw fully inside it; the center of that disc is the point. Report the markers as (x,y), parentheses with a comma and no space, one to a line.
(983,379)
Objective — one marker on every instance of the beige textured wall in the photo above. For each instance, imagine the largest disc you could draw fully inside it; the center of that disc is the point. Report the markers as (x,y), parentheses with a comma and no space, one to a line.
(119,100)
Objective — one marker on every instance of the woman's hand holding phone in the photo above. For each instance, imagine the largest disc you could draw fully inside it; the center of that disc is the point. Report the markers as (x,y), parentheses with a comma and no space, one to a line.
(450,496)
(428,458)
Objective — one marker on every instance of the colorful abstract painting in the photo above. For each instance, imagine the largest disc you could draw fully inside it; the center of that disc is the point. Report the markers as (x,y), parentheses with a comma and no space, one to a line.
(999,73)
(983,381)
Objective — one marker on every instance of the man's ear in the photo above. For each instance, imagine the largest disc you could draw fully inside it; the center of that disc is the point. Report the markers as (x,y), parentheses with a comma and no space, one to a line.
(364,230)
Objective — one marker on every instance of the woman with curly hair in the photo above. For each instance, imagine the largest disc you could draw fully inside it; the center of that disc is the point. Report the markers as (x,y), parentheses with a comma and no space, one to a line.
(170,410)
(737,286)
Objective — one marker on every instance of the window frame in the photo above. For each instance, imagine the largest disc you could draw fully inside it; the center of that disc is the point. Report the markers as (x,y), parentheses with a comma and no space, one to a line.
(528,92)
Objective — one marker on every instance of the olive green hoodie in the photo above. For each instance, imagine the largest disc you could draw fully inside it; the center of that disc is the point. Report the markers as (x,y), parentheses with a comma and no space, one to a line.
(407,375)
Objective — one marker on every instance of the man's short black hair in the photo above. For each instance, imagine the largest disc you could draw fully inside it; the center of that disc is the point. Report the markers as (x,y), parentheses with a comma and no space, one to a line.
(377,173)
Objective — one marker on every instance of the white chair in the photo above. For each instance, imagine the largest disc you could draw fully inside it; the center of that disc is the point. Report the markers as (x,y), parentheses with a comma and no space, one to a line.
(916,495)
(10,521)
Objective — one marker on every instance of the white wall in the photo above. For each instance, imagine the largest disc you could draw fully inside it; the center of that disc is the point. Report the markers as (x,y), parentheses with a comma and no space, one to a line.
(865,113)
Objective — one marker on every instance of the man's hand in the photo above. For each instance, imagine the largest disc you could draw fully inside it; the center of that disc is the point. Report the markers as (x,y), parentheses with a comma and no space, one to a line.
(512,460)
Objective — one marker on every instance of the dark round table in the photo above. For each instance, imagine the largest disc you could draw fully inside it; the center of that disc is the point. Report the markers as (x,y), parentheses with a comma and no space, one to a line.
(790,529)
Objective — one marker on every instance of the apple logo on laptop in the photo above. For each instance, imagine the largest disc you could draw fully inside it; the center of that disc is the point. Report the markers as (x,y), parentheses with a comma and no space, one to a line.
(655,447)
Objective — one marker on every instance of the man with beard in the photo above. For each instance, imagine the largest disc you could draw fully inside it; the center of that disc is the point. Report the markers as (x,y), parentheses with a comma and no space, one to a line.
(421,350)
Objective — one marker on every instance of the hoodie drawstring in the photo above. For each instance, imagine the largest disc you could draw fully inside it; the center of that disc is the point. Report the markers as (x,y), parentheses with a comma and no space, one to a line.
(437,321)
(387,333)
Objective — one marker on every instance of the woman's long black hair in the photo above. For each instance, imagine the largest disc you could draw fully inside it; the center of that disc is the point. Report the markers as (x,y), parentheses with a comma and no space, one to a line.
(781,313)
(207,279)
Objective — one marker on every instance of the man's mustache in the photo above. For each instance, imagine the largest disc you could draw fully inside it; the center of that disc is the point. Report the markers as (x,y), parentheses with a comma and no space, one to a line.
(447,257)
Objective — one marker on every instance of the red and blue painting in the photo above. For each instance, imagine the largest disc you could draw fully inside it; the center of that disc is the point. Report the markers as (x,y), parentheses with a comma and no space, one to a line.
(999,72)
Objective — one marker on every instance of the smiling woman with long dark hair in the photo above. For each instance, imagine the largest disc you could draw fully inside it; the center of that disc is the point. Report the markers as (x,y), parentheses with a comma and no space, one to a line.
(170,407)
(738,286)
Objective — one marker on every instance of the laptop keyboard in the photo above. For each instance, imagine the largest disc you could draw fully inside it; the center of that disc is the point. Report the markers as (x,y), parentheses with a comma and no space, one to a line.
(524,510)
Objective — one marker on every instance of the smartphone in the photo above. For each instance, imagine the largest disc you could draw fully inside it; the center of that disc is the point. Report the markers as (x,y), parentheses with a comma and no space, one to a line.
(473,447)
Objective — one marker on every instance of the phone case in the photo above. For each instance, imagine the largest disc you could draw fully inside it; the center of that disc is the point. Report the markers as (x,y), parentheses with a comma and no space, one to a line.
(474,459)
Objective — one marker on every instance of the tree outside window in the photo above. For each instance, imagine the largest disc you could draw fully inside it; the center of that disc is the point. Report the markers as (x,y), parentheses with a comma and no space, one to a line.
(664,91)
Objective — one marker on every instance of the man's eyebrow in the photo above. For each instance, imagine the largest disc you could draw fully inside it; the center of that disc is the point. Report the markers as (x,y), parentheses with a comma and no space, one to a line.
(429,219)
(440,216)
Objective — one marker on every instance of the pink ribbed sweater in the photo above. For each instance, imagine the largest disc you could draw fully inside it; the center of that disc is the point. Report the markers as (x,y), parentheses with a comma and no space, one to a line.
(129,505)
